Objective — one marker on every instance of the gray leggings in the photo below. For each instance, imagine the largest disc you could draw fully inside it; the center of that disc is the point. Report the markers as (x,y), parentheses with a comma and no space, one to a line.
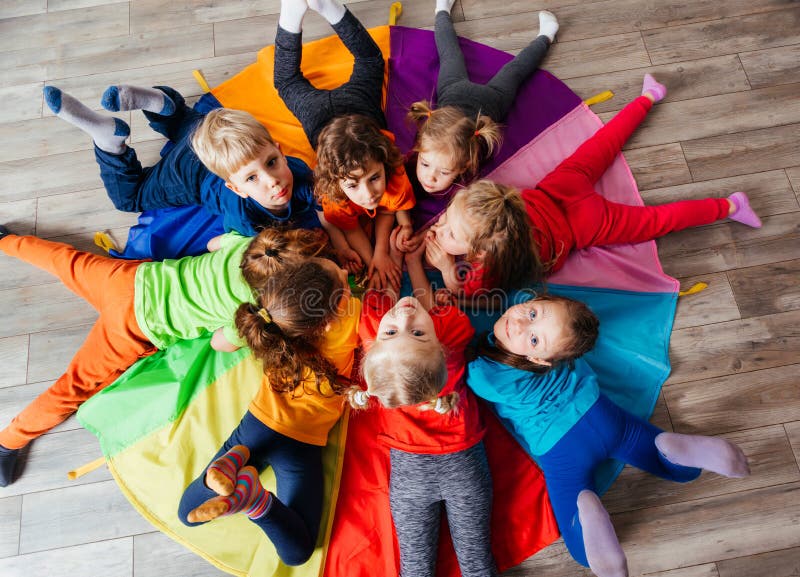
(420,487)
(315,108)
(493,99)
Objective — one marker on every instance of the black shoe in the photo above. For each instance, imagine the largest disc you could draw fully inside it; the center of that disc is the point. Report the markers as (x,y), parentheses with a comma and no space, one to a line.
(8,462)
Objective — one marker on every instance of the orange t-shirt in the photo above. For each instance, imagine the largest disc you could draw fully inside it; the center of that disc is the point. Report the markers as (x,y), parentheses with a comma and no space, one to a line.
(399,195)
(306,414)
(428,432)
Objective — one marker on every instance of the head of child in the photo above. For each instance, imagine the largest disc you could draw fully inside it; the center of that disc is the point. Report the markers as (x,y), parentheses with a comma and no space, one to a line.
(406,364)
(542,332)
(488,225)
(354,161)
(295,305)
(239,149)
(450,145)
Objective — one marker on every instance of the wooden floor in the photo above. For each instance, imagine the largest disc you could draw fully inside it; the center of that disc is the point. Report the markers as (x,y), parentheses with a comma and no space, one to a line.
(731,122)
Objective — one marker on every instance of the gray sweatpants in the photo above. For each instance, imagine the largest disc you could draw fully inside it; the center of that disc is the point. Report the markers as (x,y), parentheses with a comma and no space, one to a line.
(493,99)
(314,107)
(420,488)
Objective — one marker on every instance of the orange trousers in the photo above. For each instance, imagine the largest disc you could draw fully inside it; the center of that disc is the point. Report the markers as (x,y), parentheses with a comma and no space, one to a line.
(114,343)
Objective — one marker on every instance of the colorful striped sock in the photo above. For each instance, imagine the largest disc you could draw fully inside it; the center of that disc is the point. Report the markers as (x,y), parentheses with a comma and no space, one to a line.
(221,474)
(249,495)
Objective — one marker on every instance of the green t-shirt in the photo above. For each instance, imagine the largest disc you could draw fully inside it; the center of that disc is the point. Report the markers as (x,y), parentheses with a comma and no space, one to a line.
(185,298)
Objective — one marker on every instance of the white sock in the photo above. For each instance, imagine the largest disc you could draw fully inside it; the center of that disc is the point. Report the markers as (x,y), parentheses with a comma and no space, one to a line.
(331,10)
(445,5)
(548,24)
(292,13)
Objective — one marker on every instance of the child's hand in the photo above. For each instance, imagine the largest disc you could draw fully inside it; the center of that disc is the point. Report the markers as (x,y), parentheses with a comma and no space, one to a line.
(418,251)
(437,256)
(349,260)
(383,272)
(443,297)
(395,253)
(405,240)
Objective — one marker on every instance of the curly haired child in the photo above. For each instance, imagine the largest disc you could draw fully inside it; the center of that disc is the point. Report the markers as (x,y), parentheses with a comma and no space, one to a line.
(146,306)
(307,346)
(224,160)
(510,238)
(359,173)
(529,370)
(414,367)
(462,130)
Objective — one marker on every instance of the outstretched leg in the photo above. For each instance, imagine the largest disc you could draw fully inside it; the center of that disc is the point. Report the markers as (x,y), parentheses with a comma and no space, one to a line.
(508,79)
(108,133)
(452,69)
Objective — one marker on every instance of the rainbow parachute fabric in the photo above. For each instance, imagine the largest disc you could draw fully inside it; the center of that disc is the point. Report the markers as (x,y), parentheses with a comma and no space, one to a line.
(163,419)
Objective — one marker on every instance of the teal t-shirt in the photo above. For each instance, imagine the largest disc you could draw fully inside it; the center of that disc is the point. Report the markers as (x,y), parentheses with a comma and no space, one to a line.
(538,409)
(186,298)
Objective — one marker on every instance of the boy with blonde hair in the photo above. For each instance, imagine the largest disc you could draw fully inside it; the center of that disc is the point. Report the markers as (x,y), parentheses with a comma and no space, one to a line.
(225,160)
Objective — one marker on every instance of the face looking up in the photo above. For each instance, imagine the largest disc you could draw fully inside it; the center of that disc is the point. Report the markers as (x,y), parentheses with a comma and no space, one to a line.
(266,179)
(535,329)
(407,324)
(366,186)
(436,170)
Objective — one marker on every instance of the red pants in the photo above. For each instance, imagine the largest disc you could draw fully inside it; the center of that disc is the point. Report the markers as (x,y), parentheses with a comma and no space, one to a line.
(114,343)
(595,221)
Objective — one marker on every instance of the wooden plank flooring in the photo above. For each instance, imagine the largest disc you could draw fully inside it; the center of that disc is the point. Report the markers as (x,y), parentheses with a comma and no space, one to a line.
(731,122)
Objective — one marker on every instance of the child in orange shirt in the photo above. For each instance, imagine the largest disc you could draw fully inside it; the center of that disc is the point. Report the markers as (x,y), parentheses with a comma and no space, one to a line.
(359,173)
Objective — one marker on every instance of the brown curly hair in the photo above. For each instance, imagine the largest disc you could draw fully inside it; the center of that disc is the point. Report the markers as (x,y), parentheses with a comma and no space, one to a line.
(286,325)
(347,144)
(273,248)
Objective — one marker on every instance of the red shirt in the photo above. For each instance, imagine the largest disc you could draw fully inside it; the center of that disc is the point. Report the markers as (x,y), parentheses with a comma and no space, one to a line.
(415,431)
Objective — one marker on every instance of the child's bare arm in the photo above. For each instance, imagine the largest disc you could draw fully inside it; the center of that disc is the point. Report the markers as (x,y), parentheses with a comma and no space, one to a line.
(348,258)
(387,272)
(405,237)
(215,243)
(220,343)
(419,281)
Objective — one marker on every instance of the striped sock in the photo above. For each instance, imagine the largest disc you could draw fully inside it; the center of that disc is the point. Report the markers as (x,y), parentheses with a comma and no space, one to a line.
(221,474)
(248,496)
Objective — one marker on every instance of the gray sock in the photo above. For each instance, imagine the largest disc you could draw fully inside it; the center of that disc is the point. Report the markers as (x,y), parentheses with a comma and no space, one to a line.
(107,132)
(126,97)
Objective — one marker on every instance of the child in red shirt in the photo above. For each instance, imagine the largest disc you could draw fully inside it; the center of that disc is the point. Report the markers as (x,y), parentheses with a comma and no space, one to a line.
(414,367)
(512,238)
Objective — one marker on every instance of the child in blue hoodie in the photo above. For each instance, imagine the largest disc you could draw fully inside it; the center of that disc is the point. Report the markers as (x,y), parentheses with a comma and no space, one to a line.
(529,370)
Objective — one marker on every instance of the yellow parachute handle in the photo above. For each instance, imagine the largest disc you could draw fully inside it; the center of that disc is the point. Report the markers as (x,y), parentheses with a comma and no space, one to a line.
(598,98)
(201,80)
(104,241)
(696,288)
(87,468)
(394,12)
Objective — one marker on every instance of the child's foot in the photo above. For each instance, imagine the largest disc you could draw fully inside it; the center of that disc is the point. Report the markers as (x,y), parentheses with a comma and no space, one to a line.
(741,211)
(444,6)
(4,232)
(603,551)
(8,460)
(221,474)
(126,97)
(548,24)
(109,133)
(248,496)
(710,453)
(330,10)
(292,13)
(653,89)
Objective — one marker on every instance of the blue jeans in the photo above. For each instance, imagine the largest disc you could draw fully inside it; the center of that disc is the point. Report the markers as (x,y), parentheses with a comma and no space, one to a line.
(606,431)
(293,517)
(173,181)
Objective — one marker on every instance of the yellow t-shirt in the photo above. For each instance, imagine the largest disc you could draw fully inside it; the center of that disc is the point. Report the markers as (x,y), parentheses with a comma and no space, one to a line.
(306,414)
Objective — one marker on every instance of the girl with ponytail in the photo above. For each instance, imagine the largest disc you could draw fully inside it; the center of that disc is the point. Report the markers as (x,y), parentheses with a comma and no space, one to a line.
(414,375)
(462,131)
(302,326)
(143,307)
